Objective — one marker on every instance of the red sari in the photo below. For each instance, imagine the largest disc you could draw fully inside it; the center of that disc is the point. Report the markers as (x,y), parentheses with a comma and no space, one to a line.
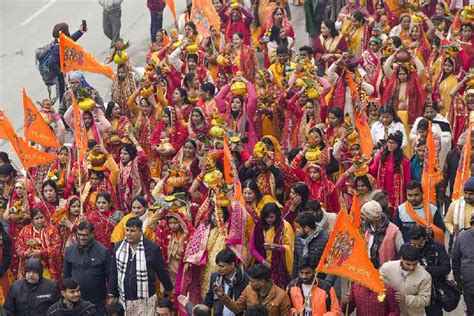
(115,136)
(104,224)
(133,181)
(337,45)
(393,182)
(48,241)
(323,190)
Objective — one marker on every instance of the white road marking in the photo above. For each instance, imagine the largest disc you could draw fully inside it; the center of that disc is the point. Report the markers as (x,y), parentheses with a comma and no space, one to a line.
(31,18)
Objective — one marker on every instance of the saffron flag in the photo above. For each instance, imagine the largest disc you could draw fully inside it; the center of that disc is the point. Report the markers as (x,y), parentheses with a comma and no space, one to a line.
(80,139)
(36,129)
(29,156)
(355,211)
(431,171)
(366,141)
(464,168)
(230,173)
(170,4)
(73,57)
(204,15)
(346,255)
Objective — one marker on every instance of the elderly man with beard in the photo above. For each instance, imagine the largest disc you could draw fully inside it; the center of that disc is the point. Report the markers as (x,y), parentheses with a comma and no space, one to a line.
(322,297)
(383,238)
(310,241)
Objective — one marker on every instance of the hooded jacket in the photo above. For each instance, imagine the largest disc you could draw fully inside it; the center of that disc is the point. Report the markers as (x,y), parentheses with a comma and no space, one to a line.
(26,299)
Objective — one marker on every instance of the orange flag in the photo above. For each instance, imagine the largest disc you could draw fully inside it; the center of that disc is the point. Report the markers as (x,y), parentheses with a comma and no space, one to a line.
(346,255)
(431,172)
(36,129)
(464,168)
(230,173)
(204,16)
(355,211)
(73,57)
(170,4)
(366,141)
(80,140)
(29,156)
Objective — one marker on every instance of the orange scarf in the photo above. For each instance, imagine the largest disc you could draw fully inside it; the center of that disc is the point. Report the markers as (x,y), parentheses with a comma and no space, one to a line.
(438,233)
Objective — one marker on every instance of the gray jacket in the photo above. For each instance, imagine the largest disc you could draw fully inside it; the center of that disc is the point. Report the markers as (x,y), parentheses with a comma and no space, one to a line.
(110,5)
(463,259)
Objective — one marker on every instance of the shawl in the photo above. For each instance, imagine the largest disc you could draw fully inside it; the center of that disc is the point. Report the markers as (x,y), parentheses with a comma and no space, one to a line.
(426,221)
(373,67)
(123,255)
(47,208)
(236,240)
(269,23)
(199,133)
(398,181)
(415,95)
(121,92)
(379,235)
(248,62)
(279,272)
(143,130)
(165,237)
(322,190)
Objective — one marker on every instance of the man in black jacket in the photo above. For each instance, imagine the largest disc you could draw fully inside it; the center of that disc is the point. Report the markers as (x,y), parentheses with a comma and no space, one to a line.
(310,241)
(72,304)
(32,295)
(88,261)
(229,277)
(434,259)
(135,264)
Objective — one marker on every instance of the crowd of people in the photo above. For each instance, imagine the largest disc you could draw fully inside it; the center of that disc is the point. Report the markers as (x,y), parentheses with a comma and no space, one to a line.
(154,221)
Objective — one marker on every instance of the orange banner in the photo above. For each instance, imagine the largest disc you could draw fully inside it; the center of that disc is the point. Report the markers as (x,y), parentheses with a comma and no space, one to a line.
(80,140)
(170,4)
(431,172)
(366,141)
(464,168)
(204,15)
(346,255)
(29,156)
(73,57)
(355,211)
(230,173)
(36,129)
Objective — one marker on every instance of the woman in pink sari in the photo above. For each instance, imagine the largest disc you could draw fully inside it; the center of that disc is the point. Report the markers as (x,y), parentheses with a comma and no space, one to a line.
(223,228)
(239,112)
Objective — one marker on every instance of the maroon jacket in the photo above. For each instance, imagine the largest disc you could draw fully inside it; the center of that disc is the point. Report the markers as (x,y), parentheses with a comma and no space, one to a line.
(156,5)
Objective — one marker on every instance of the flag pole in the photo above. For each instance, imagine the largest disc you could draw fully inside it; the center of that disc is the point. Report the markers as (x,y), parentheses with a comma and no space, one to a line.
(347,303)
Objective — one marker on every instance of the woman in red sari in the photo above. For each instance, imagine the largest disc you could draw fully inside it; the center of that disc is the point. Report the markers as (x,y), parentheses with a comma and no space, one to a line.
(104,218)
(18,215)
(66,220)
(198,127)
(181,104)
(371,62)
(392,170)
(329,45)
(419,40)
(60,170)
(321,188)
(51,201)
(117,135)
(168,137)
(239,21)
(41,240)
(172,235)
(239,58)
(134,174)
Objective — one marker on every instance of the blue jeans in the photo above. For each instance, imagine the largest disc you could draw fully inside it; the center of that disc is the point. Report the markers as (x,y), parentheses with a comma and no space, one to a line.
(156,24)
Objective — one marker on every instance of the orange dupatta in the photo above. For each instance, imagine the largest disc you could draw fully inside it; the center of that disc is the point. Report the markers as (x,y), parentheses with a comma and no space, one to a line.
(438,233)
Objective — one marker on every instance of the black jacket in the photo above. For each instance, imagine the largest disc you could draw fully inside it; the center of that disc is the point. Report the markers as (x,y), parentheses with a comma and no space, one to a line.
(25,299)
(6,259)
(463,259)
(237,287)
(90,267)
(155,266)
(315,251)
(435,260)
(81,308)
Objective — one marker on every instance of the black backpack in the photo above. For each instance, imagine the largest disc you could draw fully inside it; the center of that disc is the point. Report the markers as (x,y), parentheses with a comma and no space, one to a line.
(42,57)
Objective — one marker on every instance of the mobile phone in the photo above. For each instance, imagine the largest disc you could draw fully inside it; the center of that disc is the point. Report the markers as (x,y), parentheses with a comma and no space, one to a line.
(84,25)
